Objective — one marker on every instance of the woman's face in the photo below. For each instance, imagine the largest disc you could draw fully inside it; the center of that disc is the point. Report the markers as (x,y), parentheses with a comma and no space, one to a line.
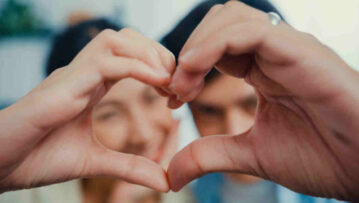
(133,118)
(225,106)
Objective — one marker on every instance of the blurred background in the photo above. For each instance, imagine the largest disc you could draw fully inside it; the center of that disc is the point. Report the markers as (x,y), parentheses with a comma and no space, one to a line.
(27,28)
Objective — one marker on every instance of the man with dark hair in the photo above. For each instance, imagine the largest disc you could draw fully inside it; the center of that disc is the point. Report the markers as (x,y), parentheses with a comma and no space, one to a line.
(304,134)
(227,105)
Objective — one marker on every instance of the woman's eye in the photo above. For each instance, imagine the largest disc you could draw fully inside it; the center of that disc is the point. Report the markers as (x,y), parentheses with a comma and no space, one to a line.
(150,98)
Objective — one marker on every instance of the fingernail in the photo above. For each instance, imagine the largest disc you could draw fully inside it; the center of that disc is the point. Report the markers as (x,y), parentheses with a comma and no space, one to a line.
(174,78)
(170,104)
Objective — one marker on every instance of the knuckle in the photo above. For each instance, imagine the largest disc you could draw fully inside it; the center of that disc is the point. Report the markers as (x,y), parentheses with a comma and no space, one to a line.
(242,11)
(57,71)
(106,33)
(128,31)
(215,8)
(233,4)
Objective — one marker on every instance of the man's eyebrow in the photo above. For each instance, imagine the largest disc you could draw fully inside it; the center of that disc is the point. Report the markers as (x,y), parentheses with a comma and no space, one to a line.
(202,103)
(249,98)
(108,103)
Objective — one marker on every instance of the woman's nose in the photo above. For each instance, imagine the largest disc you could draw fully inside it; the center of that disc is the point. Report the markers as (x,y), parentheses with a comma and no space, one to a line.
(237,121)
(142,131)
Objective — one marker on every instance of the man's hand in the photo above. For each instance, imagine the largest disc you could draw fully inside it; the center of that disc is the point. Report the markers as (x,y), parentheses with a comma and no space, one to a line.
(305,134)
(47,136)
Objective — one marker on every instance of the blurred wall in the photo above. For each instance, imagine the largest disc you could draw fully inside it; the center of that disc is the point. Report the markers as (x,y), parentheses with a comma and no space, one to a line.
(152,17)
(21,66)
(335,22)
(22,59)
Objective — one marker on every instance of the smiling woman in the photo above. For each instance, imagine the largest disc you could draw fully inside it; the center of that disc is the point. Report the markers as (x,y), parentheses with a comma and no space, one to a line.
(302,135)
(58,142)
(132,118)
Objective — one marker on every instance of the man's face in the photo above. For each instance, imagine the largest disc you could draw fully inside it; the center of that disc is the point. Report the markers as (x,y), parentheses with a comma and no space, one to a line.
(225,106)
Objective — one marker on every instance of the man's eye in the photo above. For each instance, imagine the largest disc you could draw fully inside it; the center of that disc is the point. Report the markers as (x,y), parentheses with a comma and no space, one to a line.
(250,105)
(209,110)
(107,116)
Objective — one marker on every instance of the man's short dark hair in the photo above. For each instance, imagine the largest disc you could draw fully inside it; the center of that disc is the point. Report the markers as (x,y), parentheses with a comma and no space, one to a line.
(175,39)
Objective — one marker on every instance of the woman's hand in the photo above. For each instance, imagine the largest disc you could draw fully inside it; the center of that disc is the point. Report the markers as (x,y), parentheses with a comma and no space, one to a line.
(130,193)
(46,137)
(305,134)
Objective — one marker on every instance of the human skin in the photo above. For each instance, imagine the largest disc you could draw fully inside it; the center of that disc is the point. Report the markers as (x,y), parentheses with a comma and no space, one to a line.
(131,118)
(46,137)
(226,105)
(305,134)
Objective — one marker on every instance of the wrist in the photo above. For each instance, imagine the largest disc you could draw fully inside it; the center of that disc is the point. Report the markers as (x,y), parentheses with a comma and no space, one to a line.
(16,122)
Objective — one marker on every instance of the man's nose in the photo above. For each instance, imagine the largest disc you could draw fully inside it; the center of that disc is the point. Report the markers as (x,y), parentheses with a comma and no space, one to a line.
(237,121)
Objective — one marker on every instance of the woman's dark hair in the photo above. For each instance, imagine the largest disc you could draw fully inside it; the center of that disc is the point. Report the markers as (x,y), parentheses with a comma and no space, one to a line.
(69,43)
(176,38)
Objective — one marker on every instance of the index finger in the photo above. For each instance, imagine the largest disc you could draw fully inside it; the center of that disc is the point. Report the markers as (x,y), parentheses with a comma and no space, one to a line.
(187,77)
(219,17)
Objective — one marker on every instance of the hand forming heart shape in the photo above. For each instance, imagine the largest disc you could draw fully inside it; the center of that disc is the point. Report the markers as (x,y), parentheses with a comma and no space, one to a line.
(304,136)
(49,136)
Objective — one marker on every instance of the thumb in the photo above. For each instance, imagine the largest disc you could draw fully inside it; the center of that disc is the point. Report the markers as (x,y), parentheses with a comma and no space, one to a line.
(171,145)
(211,154)
(127,192)
(128,167)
